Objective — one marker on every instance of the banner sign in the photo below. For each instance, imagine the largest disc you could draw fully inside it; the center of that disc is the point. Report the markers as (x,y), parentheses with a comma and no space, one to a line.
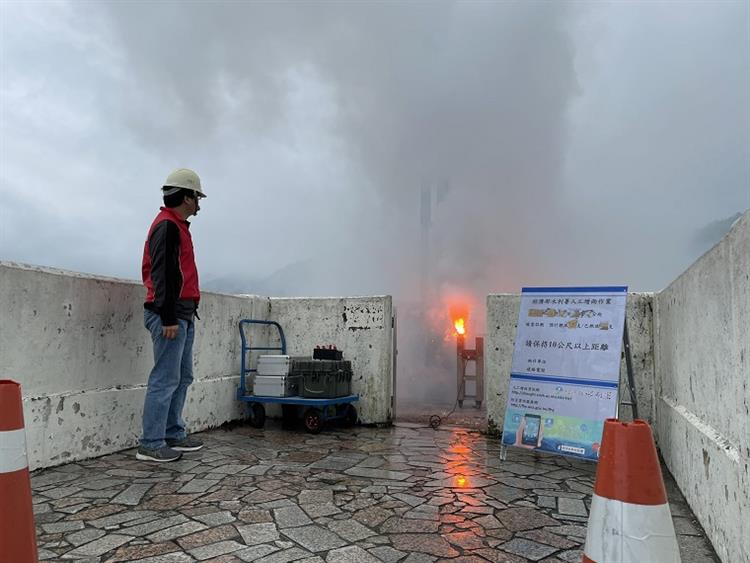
(566,369)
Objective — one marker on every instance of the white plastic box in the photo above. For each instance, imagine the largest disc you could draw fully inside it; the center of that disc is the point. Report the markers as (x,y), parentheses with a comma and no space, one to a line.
(269,364)
(273,386)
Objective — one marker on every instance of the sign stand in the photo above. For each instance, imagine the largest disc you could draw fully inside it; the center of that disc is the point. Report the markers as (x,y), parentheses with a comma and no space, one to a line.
(633,402)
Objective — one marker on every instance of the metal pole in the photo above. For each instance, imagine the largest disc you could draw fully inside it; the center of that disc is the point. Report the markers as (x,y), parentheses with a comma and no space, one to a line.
(629,365)
(460,369)
(394,400)
(479,360)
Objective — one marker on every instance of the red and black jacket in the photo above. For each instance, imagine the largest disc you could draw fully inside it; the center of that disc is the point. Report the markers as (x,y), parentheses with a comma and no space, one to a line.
(169,271)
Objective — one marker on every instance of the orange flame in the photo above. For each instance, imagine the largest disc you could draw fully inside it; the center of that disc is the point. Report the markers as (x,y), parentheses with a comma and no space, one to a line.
(459,325)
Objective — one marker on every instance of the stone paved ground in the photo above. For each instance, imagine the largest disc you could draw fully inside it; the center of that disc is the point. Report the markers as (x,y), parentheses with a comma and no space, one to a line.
(406,493)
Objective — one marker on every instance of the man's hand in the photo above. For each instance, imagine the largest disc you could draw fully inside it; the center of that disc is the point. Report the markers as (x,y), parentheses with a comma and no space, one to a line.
(170,332)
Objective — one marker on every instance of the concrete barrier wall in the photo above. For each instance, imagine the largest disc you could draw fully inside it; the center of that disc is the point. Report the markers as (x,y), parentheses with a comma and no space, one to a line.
(691,355)
(702,354)
(502,320)
(77,345)
(362,327)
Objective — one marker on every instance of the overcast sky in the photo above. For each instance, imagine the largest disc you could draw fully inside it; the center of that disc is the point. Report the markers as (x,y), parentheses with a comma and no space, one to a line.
(564,143)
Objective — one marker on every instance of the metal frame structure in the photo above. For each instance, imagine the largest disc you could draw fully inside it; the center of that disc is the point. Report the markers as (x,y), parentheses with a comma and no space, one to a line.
(463,357)
(244,370)
(318,411)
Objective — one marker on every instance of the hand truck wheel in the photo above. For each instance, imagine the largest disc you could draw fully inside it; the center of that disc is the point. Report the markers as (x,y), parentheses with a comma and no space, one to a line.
(257,415)
(288,417)
(350,415)
(313,421)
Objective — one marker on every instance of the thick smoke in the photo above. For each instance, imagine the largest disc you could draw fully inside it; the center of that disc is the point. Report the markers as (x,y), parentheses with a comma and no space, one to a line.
(466,100)
(436,151)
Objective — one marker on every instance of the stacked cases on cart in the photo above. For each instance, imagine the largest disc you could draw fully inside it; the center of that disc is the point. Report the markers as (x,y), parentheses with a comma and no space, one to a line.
(273,377)
(287,376)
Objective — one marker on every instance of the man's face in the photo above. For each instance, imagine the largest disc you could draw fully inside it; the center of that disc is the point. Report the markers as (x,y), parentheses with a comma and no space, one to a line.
(195,203)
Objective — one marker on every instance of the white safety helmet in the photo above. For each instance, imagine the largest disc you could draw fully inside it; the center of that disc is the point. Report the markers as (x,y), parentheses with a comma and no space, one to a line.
(182,178)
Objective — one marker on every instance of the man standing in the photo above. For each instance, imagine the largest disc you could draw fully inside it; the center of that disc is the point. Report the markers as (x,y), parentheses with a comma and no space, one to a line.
(171,280)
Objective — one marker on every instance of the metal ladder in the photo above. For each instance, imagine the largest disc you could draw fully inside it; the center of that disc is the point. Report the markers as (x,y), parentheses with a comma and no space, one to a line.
(463,357)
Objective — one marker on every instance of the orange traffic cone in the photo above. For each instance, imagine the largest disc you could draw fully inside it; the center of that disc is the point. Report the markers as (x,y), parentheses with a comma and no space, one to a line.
(17,531)
(630,520)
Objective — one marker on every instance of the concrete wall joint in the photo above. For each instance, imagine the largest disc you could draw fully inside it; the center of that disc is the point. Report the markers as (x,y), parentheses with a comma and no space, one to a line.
(722,442)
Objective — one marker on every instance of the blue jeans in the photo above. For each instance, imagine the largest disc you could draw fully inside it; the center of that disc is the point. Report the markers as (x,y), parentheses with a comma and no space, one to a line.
(168,383)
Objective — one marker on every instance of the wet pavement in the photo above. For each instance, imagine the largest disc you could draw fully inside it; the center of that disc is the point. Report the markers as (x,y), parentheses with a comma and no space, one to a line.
(469,415)
(401,494)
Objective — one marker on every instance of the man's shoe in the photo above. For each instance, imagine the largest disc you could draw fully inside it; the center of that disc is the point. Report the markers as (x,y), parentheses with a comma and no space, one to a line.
(162,455)
(186,444)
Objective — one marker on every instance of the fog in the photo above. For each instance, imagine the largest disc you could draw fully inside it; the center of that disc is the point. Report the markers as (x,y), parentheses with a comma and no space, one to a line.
(557,143)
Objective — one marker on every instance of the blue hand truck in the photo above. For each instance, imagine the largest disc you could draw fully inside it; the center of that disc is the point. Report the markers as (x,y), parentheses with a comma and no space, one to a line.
(317,412)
